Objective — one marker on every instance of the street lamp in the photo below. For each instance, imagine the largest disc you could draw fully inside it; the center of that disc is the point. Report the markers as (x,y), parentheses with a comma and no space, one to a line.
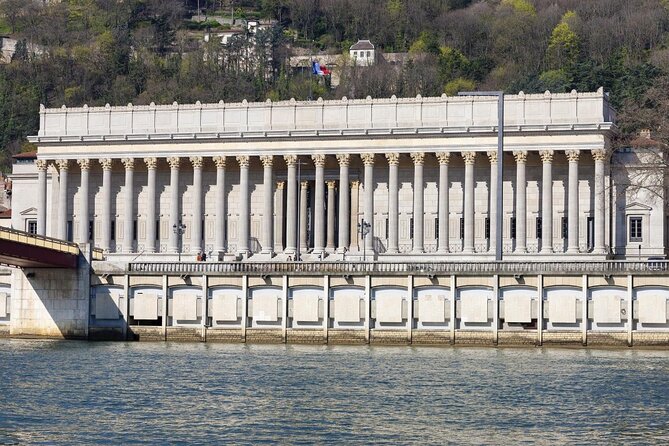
(179,231)
(500,163)
(363,229)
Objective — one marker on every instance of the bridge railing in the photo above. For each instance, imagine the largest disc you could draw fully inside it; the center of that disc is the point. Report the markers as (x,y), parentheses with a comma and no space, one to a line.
(607,267)
(38,240)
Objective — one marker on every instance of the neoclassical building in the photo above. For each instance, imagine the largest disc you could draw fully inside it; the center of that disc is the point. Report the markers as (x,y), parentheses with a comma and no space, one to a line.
(262,181)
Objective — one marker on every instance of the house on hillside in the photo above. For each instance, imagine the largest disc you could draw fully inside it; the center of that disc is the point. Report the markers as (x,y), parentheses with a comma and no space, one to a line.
(362,53)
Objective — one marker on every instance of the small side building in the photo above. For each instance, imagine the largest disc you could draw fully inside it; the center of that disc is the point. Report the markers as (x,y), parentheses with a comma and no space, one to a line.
(363,53)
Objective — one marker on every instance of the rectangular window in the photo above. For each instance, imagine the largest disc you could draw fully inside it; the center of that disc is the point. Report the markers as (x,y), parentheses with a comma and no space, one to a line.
(157,230)
(590,234)
(113,230)
(565,228)
(538,227)
(462,228)
(31,226)
(411,228)
(513,227)
(436,228)
(134,230)
(487,227)
(387,227)
(90,230)
(70,231)
(635,233)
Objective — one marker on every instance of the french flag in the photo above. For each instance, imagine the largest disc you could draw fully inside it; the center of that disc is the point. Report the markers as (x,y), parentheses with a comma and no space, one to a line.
(319,70)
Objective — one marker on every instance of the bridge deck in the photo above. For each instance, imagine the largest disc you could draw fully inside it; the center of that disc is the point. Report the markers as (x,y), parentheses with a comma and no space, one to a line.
(26,250)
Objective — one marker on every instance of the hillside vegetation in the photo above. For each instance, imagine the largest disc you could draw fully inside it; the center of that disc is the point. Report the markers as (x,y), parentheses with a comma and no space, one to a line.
(95,52)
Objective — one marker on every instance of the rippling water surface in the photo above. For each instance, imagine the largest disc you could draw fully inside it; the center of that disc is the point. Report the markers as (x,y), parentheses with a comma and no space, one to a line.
(158,393)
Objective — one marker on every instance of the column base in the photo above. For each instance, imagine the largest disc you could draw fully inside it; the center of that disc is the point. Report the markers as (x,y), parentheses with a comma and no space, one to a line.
(392,251)
(599,251)
(573,250)
(546,251)
(522,250)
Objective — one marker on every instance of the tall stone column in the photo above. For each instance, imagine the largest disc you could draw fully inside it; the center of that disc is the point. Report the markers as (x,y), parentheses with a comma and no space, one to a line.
(521,201)
(368,161)
(291,205)
(63,167)
(221,214)
(393,202)
(344,211)
(106,164)
(128,207)
(331,216)
(151,219)
(418,202)
(84,166)
(355,207)
(196,224)
(442,242)
(304,210)
(547,202)
(600,201)
(244,216)
(268,211)
(469,159)
(175,209)
(492,215)
(572,201)
(41,196)
(278,222)
(319,204)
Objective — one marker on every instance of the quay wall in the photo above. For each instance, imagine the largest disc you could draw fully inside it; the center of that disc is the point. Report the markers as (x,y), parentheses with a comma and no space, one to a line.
(413,309)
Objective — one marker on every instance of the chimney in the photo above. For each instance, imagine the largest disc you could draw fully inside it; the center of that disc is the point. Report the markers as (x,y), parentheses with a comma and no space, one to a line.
(644,134)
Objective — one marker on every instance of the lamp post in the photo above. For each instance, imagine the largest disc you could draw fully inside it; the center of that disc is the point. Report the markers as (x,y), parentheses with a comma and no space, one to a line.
(363,229)
(179,231)
(500,163)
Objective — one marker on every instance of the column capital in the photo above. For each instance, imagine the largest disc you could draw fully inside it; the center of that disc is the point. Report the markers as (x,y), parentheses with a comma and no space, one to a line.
(304,184)
(63,164)
(151,163)
(469,157)
(243,160)
(355,184)
(367,159)
(546,156)
(572,155)
(219,161)
(599,154)
(492,156)
(331,184)
(280,185)
(443,157)
(418,158)
(173,161)
(42,164)
(128,163)
(319,160)
(106,163)
(291,160)
(84,163)
(267,160)
(393,158)
(196,161)
(343,159)
(520,156)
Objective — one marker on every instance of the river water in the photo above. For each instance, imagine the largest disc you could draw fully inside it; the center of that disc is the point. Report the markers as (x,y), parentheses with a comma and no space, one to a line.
(164,393)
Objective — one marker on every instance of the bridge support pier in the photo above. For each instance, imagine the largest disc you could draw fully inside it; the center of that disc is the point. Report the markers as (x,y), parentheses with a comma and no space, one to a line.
(51,302)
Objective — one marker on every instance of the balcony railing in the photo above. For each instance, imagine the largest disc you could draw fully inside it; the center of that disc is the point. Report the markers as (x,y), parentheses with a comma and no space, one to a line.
(608,267)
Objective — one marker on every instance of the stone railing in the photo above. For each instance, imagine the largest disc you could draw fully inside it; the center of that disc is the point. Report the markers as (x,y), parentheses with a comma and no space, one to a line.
(606,268)
(570,111)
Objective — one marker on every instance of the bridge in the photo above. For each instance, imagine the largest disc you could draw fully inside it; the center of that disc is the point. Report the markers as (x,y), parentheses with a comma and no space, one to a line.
(25,250)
